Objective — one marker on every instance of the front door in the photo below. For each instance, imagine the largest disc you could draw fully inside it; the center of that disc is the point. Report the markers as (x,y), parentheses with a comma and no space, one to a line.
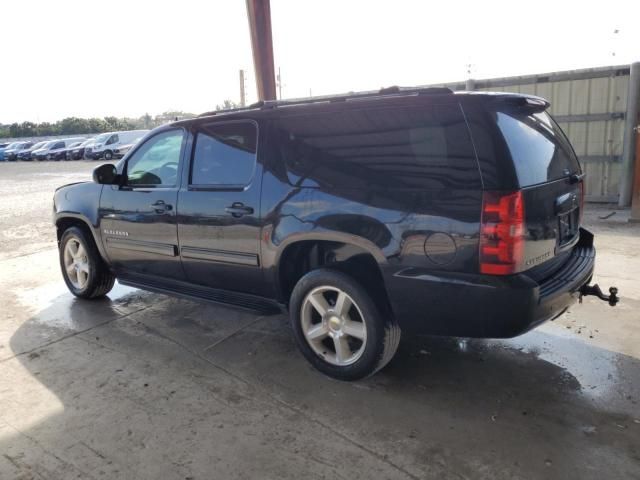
(219,206)
(138,219)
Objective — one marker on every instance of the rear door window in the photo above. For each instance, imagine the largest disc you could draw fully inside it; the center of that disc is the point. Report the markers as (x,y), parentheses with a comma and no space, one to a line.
(421,147)
(539,149)
(224,154)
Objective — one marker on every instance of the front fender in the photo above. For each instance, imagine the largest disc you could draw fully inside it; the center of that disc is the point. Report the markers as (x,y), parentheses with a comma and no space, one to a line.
(80,201)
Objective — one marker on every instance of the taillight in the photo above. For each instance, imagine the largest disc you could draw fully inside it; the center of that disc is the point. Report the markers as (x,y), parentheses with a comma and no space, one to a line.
(502,233)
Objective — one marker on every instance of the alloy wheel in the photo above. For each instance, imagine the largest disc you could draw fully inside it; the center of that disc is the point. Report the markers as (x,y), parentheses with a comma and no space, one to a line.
(333,325)
(76,263)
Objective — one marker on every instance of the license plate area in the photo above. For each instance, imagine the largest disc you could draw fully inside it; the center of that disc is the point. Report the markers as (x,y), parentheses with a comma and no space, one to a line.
(568,226)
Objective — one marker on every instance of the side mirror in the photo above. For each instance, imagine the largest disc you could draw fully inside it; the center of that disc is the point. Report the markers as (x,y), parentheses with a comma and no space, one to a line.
(106,174)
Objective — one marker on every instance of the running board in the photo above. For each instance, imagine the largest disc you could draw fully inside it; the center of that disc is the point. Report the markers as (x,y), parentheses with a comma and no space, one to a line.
(252,303)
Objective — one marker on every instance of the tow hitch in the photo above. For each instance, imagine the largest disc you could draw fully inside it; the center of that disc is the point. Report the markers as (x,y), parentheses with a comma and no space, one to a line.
(595,290)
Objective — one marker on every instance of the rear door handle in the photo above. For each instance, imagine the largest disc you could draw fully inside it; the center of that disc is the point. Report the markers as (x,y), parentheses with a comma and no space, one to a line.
(239,209)
(160,206)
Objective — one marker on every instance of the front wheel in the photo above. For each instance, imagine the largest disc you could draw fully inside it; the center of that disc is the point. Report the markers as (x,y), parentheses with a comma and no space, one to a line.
(339,328)
(108,155)
(83,269)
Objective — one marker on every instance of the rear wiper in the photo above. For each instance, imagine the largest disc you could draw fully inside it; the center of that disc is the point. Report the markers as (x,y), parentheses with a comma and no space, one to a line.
(574,178)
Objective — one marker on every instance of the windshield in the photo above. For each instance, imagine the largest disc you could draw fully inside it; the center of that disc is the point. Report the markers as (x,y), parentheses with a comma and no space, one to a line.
(87,142)
(49,144)
(102,138)
(38,145)
(14,145)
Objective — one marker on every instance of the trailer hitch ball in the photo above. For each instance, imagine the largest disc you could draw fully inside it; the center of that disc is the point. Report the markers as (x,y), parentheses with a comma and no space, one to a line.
(594,290)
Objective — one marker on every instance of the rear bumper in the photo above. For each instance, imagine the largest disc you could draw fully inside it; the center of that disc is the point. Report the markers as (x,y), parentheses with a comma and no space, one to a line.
(484,306)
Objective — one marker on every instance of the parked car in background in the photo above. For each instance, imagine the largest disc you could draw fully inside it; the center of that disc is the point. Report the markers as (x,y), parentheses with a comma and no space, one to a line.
(3,147)
(53,147)
(61,153)
(27,153)
(77,152)
(106,143)
(122,150)
(12,151)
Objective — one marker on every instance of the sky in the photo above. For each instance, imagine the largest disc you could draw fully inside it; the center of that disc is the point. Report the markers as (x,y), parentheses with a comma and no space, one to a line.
(85,58)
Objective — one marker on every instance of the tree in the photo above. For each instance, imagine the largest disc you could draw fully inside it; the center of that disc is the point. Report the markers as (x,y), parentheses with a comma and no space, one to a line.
(14,130)
(75,125)
(227,105)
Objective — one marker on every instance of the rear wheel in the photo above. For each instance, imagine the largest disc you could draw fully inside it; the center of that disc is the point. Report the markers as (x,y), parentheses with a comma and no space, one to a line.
(83,269)
(339,328)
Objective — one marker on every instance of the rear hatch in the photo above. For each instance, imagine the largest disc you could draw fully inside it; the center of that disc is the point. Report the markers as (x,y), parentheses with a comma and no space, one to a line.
(550,181)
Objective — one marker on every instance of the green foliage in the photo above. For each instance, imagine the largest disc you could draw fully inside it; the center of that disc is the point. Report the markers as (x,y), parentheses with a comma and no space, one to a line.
(228,105)
(75,125)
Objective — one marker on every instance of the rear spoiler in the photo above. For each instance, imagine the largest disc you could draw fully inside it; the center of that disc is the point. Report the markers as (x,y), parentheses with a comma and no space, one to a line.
(530,102)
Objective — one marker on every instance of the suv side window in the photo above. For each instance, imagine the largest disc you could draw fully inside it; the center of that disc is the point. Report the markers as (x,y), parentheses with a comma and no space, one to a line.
(419,147)
(224,154)
(58,145)
(155,163)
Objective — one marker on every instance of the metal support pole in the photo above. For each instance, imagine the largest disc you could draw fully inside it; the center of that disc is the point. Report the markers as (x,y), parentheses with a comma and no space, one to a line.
(243,98)
(629,145)
(259,13)
(635,197)
(470,84)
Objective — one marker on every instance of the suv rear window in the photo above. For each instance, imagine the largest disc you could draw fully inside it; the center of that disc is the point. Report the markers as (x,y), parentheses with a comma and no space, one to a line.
(426,147)
(538,147)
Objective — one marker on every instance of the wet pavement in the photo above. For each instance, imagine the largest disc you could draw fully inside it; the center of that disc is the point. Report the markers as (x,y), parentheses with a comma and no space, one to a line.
(141,385)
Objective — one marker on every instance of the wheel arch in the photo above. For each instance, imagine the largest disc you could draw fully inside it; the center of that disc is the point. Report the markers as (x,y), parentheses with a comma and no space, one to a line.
(357,257)
(65,220)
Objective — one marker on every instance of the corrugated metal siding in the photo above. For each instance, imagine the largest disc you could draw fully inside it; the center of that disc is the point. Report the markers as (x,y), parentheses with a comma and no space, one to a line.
(590,106)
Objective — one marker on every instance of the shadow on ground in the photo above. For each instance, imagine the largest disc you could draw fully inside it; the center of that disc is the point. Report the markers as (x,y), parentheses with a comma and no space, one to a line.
(144,386)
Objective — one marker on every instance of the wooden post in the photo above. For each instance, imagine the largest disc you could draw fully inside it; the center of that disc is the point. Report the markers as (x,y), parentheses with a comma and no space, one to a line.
(259,13)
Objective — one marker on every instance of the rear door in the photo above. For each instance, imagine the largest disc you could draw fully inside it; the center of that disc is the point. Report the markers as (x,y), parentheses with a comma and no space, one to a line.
(219,208)
(551,180)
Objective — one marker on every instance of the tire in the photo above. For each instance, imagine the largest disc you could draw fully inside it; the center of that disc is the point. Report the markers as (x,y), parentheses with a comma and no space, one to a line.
(371,337)
(98,280)
(108,154)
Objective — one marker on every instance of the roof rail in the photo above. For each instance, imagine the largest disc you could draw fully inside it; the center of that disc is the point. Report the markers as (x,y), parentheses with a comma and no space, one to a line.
(389,91)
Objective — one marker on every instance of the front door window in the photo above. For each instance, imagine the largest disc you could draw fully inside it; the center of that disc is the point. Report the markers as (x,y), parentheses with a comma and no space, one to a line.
(156,162)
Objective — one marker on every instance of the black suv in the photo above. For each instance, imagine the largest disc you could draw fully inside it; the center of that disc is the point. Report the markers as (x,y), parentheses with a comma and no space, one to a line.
(365,215)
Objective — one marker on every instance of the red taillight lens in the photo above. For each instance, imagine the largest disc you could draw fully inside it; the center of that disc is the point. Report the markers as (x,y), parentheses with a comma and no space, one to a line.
(502,233)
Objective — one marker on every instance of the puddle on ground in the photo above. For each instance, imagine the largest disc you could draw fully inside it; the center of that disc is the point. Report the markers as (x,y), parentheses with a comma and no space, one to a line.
(52,305)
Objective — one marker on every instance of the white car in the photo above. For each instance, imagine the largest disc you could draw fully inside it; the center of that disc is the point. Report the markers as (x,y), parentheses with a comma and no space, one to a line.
(106,143)
(124,149)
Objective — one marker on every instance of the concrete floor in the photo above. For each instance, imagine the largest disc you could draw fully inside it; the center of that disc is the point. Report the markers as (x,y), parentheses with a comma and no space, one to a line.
(141,385)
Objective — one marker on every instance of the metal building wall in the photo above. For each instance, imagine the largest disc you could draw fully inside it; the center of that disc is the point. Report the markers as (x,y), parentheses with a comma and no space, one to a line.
(590,107)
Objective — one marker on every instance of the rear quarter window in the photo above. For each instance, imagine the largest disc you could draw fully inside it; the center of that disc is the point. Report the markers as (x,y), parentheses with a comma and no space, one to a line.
(426,147)
(539,149)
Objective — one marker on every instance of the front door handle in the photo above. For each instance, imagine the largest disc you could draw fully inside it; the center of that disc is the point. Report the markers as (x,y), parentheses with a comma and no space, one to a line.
(160,206)
(239,209)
